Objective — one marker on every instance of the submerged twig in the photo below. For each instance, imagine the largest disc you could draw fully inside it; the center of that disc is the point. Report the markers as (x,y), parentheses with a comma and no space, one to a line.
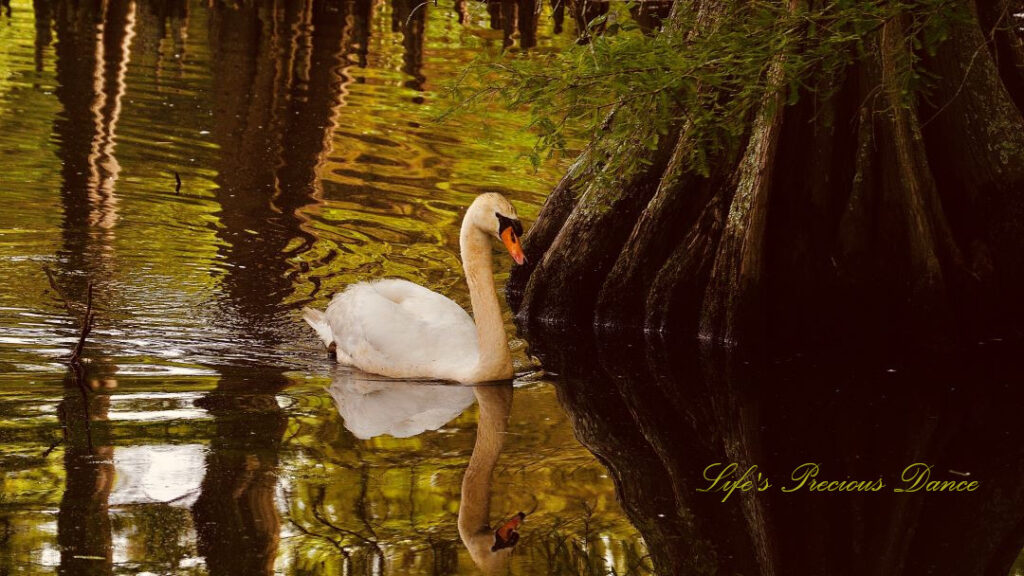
(76,354)
(53,445)
(317,508)
(86,320)
(60,293)
(341,548)
(413,11)
(78,377)
(75,360)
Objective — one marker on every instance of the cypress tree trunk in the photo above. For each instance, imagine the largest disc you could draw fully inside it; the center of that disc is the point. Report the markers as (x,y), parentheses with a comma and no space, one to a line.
(845,216)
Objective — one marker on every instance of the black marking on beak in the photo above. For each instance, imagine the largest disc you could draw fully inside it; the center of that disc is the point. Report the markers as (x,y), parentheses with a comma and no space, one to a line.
(500,544)
(512,535)
(506,222)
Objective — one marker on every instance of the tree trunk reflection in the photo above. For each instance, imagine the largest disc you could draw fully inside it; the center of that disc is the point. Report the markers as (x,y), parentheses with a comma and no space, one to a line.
(659,422)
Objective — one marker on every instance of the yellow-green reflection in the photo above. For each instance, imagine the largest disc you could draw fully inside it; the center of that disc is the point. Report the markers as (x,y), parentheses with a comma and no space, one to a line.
(207,439)
(261,475)
(303,135)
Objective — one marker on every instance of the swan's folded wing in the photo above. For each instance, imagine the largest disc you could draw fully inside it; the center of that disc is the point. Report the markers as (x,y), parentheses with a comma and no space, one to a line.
(400,329)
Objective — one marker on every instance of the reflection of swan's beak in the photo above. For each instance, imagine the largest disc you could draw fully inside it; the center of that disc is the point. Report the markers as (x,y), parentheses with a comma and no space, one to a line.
(507,535)
(511,241)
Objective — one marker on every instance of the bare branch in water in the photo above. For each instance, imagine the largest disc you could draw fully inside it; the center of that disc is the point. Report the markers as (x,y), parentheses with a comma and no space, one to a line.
(76,355)
(60,293)
(75,360)
(53,445)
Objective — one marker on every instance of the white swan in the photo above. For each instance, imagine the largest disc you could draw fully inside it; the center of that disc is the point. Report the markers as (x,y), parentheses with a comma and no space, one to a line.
(402,330)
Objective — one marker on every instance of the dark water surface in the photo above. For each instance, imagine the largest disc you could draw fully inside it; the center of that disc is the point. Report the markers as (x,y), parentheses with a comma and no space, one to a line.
(210,434)
(667,417)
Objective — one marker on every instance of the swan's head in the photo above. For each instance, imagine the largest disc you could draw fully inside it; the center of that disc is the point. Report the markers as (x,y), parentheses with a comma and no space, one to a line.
(491,551)
(493,214)
(507,536)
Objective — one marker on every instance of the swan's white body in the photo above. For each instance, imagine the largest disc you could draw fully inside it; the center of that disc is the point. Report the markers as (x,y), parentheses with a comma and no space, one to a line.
(399,329)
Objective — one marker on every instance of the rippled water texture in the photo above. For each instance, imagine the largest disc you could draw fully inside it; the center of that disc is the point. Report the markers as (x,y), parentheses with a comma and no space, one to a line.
(207,437)
(303,135)
(209,433)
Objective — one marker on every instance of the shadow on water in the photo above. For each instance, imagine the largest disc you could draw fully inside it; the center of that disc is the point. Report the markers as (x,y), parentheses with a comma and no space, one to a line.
(658,417)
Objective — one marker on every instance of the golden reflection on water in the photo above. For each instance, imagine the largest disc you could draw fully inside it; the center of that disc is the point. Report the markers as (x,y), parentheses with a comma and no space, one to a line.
(262,476)
(303,135)
(208,438)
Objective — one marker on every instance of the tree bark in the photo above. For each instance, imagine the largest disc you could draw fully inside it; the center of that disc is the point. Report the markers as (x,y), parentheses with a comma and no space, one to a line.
(1002,23)
(733,290)
(981,180)
(877,209)
(586,245)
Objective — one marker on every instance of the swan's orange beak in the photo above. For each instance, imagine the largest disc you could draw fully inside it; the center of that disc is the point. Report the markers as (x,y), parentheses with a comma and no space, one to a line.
(507,536)
(511,241)
(510,526)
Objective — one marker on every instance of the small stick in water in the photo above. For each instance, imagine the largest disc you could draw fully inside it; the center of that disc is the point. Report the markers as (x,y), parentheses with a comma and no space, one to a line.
(53,445)
(87,319)
(60,293)
(75,361)
(76,355)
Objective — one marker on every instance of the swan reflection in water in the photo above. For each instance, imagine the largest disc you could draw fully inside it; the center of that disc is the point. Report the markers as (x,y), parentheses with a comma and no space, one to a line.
(372,406)
(490,549)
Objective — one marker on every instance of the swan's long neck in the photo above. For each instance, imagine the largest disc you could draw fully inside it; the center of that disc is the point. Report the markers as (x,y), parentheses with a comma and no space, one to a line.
(475,502)
(494,361)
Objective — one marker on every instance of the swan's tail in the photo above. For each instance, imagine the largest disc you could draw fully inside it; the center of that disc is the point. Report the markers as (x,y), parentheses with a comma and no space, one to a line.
(318,320)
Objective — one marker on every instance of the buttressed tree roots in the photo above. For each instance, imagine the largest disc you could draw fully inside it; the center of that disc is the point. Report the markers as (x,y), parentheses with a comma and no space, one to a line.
(882,208)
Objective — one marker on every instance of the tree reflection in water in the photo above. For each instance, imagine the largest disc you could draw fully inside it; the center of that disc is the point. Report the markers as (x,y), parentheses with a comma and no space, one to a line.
(83,520)
(280,80)
(236,516)
(658,419)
